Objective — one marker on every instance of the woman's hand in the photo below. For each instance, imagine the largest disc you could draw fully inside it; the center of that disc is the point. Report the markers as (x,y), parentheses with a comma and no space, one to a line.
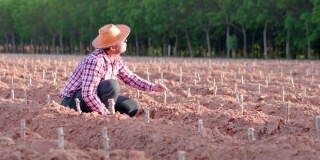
(158,87)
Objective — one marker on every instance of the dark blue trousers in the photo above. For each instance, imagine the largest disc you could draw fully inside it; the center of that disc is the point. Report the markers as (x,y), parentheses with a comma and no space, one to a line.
(107,89)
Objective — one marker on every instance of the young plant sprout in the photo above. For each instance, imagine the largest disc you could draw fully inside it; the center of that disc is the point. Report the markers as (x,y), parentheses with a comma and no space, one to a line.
(242,81)
(4,73)
(198,106)
(78,105)
(312,79)
(43,73)
(290,72)
(12,93)
(111,106)
(188,93)
(287,112)
(235,88)
(65,70)
(147,110)
(215,90)
(259,90)
(165,97)
(241,99)
(106,145)
(282,94)
(25,72)
(161,77)
(241,109)
(180,76)
(318,127)
(48,99)
(221,79)
(200,125)
(182,155)
(260,73)
(251,134)
(60,138)
(305,92)
(54,78)
(12,83)
(23,128)
(267,82)
(35,69)
(30,80)
(237,97)
(25,96)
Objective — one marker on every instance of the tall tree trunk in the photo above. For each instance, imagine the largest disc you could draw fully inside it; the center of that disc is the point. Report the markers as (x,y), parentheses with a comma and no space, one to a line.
(189,44)
(13,42)
(220,47)
(288,45)
(34,43)
(308,42)
(53,43)
(61,44)
(43,46)
(175,49)
(208,41)
(137,44)
(309,50)
(252,45)
(80,47)
(72,47)
(164,48)
(143,50)
(31,48)
(37,43)
(265,47)
(244,32)
(6,46)
(21,46)
(227,40)
(150,48)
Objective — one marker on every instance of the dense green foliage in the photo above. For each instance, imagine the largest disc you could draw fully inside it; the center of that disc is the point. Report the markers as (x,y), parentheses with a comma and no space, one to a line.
(196,28)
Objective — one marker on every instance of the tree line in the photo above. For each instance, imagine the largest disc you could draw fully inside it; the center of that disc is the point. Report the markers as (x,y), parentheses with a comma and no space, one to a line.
(287,29)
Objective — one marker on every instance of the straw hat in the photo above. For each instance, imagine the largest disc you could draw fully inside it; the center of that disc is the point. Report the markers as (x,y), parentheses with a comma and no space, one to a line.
(110,35)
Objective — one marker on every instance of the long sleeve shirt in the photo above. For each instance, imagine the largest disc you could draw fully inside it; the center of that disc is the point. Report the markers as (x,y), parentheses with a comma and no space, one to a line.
(95,68)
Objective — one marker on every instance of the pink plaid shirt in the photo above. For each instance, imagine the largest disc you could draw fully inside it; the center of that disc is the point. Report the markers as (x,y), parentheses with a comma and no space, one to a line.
(95,68)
